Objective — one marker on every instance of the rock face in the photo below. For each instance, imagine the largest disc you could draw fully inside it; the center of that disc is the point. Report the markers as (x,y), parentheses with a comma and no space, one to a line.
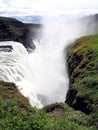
(14,30)
(83,73)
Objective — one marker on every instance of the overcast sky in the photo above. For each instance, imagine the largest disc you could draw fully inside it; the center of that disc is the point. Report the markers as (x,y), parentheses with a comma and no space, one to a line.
(45,7)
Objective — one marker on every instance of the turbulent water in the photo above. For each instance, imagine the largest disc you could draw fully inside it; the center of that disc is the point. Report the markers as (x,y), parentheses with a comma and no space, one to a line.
(42,75)
(15,67)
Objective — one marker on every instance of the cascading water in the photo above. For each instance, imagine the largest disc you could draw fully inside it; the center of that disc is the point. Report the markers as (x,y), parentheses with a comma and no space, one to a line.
(15,67)
(41,76)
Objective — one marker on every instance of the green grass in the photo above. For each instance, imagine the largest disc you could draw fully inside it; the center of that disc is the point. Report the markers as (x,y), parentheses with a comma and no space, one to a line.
(14,117)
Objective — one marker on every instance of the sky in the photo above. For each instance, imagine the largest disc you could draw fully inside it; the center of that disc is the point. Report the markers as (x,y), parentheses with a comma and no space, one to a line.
(45,7)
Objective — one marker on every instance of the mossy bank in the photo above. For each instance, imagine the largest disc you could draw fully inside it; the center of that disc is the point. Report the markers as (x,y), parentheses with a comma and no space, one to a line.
(83,73)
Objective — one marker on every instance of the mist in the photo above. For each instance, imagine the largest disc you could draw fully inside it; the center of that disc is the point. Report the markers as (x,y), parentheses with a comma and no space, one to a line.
(48,61)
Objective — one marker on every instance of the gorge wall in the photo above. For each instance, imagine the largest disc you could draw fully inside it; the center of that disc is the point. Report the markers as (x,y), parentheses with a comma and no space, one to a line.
(83,73)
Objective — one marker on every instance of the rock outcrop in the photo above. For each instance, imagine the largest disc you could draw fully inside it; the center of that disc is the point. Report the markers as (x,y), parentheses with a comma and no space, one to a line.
(83,73)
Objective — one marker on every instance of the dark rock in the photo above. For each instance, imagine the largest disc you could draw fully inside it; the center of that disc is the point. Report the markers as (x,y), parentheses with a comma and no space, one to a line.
(82,104)
(6,48)
(72,94)
(55,109)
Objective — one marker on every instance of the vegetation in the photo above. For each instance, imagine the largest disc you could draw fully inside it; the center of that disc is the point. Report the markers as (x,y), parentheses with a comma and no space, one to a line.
(83,73)
(12,116)
(9,91)
(17,114)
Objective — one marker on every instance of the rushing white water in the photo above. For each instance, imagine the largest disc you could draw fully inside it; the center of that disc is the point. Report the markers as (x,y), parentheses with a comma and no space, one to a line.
(15,67)
(42,75)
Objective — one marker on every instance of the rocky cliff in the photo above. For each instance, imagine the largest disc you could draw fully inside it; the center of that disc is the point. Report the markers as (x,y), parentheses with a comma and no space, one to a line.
(83,73)
(14,30)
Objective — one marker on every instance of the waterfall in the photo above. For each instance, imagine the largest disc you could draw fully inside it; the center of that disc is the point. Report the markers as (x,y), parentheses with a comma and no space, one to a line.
(41,76)
(15,67)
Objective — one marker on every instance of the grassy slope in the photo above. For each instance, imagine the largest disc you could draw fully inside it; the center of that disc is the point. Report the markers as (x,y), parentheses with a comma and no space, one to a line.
(17,114)
(83,73)
(9,91)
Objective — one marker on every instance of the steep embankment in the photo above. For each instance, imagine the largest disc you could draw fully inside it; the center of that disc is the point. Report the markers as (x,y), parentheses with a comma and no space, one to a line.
(9,91)
(83,73)
(17,114)
(14,30)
